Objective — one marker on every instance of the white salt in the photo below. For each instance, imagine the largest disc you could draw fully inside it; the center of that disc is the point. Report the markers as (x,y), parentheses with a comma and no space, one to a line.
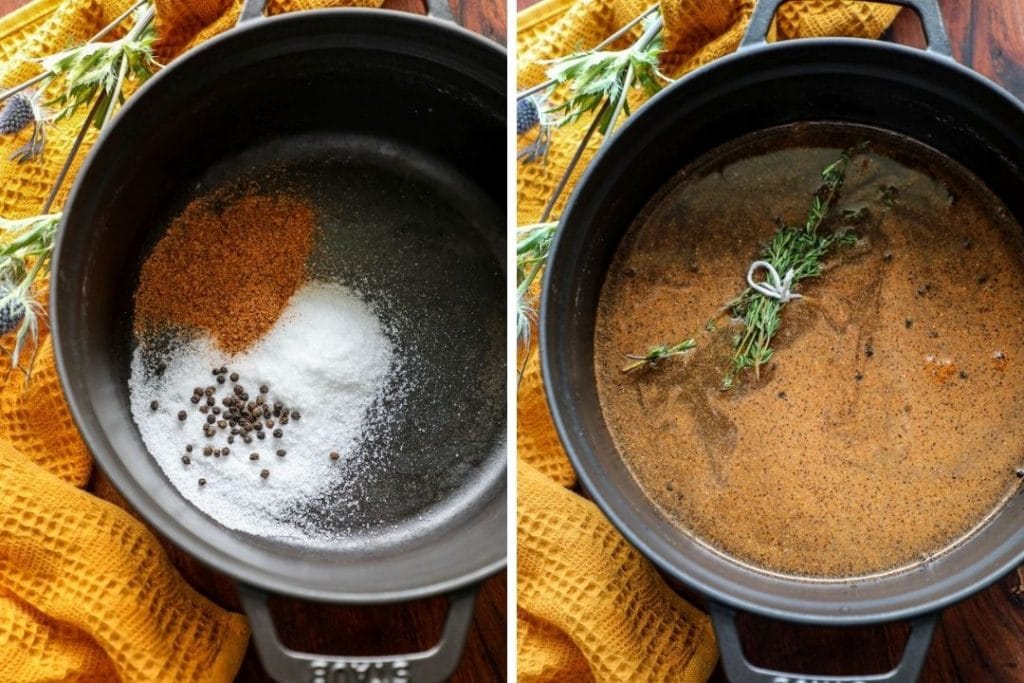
(327,356)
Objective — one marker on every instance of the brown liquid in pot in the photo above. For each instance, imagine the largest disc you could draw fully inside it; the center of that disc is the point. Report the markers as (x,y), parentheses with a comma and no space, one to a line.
(888,424)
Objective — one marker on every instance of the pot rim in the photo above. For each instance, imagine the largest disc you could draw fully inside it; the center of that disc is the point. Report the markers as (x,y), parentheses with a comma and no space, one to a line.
(618,513)
(94,436)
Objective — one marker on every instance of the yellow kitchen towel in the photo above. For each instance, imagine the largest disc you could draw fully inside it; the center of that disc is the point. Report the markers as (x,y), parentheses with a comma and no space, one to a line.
(87,594)
(590,607)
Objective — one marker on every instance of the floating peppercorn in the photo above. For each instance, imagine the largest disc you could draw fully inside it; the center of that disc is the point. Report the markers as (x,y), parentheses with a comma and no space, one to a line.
(210,391)
(247,439)
(264,473)
(281,452)
(186,460)
(204,409)
(264,388)
(208,450)
(154,405)
(278,433)
(182,415)
(220,379)
(234,376)
(223,370)
(202,482)
(215,410)
(231,439)
(211,401)
(254,456)
(195,399)
(198,391)
(284,419)
(160,368)
(210,419)
(296,416)
(225,450)
(216,452)
(188,448)
(261,434)
(222,423)
(335,455)
(215,372)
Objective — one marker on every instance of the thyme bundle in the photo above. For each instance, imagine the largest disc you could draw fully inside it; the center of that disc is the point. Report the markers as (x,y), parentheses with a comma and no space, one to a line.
(796,250)
(94,75)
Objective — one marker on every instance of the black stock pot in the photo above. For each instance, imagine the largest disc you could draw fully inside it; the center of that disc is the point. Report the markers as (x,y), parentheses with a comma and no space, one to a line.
(923,94)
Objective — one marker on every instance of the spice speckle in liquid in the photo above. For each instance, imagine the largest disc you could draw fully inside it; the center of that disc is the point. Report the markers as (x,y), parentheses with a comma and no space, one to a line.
(881,450)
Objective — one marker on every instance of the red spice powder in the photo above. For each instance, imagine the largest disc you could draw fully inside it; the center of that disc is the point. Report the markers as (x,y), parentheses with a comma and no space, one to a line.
(226,265)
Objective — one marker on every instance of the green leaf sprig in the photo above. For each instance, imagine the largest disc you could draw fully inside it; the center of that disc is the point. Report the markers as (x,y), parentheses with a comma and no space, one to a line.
(597,77)
(95,75)
(656,354)
(799,249)
(598,82)
(100,70)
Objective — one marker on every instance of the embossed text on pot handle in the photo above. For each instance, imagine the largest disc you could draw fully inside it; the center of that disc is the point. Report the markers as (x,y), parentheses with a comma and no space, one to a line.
(289,666)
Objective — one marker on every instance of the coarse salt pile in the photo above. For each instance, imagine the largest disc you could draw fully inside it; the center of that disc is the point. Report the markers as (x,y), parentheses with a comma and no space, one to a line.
(327,357)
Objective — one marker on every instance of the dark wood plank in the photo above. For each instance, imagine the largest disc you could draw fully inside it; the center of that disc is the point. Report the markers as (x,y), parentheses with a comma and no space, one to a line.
(377,630)
(981,638)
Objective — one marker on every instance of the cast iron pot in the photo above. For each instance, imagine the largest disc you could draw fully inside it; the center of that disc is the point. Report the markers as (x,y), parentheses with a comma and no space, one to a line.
(923,94)
(396,102)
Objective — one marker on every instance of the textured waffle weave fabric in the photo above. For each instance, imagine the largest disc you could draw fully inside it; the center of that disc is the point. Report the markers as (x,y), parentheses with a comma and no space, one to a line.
(590,607)
(86,591)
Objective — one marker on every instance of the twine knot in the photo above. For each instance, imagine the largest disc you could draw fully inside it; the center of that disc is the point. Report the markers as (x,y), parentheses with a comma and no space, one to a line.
(772,286)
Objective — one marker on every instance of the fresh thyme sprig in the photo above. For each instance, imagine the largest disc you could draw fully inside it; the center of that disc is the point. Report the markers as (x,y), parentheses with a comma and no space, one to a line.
(94,75)
(798,250)
(655,354)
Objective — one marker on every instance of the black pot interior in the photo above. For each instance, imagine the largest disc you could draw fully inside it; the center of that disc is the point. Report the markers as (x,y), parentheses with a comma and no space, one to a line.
(923,96)
(394,126)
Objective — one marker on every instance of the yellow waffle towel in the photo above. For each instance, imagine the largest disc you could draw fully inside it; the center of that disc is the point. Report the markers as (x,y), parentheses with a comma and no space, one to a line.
(590,606)
(86,591)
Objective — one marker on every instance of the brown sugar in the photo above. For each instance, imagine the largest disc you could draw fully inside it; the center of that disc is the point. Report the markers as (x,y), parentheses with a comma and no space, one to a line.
(869,444)
(226,265)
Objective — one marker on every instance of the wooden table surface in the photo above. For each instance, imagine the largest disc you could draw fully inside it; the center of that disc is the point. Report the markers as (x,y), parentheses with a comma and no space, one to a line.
(982,639)
(377,630)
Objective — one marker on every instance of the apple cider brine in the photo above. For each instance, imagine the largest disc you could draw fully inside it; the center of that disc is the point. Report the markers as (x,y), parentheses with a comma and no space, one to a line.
(808,351)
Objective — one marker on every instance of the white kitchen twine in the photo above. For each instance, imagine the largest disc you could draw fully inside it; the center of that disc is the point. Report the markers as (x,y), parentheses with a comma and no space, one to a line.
(772,286)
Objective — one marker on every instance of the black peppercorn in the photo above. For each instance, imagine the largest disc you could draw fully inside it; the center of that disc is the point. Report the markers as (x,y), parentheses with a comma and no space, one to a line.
(220,379)
(215,410)
(247,439)
(215,371)
(194,399)
(202,482)
(335,455)
(264,388)
(210,419)
(208,450)
(210,391)
(222,423)
(154,405)
(186,460)
(198,391)
(160,367)
(188,448)
(225,451)
(264,473)
(231,439)
(223,370)
(254,456)
(296,416)
(182,415)
(278,433)
(261,434)
(281,452)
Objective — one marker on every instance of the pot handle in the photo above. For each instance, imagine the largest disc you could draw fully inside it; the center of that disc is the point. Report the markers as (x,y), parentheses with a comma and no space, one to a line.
(739,670)
(253,9)
(288,666)
(927,10)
